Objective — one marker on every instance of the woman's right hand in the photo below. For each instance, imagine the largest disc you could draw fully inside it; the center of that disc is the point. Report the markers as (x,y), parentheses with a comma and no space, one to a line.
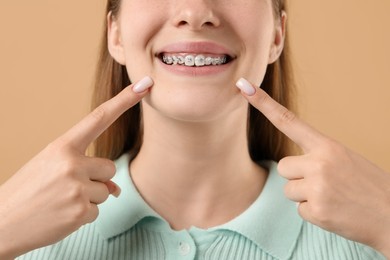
(57,192)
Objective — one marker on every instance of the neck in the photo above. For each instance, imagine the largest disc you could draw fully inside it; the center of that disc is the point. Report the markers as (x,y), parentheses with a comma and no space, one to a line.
(196,167)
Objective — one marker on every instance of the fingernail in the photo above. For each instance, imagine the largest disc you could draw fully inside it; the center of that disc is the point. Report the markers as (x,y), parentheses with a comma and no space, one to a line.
(245,87)
(113,188)
(117,191)
(143,85)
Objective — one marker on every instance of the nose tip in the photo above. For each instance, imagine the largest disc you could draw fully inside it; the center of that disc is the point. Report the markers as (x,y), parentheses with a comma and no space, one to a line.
(196,15)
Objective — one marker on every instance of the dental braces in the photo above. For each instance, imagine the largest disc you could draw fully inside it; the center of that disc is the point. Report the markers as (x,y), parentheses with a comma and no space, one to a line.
(192,60)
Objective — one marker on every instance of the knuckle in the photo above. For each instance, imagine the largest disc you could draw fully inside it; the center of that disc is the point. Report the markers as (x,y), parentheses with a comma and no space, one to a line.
(80,211)
(321,181)
(329,146)
(102,195)
(321,167)
(319,190)
(288,190)
(57,148)
(109,188)
(339,154)
(286,116)
(105,196)
(263,99)
(281,166)
(76,215)
(106,169)
(69,167)
(99,113)
(77,193)
(111,169)
(332,147)
(320,214)
(302,212)
(93,213)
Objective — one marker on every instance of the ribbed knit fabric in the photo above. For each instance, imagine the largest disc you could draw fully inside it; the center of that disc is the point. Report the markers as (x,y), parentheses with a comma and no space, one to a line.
(140,243)
(127,228)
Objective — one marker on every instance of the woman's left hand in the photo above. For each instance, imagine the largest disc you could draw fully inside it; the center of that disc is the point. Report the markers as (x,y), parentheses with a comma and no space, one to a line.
(335,188)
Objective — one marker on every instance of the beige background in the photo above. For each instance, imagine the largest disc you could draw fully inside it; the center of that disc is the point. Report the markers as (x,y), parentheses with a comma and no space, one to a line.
(48,51)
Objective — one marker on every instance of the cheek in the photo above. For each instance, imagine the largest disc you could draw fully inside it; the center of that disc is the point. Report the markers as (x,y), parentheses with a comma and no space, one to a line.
(256,63)
(137,30)
(255,55)
(258,54)
(254,28)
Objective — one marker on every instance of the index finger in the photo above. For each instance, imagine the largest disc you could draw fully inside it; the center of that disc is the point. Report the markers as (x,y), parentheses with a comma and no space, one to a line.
(95,123)
(297,130)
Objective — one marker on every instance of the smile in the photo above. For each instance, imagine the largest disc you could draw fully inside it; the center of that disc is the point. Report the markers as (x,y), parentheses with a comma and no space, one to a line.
(194,60)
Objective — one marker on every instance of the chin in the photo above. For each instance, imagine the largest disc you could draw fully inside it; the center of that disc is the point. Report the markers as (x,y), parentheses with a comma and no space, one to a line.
(193,104)
(187,110)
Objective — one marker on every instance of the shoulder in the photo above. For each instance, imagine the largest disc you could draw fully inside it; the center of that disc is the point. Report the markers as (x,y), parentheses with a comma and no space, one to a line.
(71,247)
(317,243)
(310,241)
(114,225)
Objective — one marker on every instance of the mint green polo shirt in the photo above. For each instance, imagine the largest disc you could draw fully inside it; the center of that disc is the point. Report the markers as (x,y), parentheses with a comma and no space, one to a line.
(127,228)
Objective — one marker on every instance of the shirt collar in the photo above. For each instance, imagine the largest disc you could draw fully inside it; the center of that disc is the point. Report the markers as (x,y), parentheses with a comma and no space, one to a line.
(117,215)
(272,221)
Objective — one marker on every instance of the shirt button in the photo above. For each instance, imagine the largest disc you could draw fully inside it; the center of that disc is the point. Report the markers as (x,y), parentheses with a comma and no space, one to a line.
(184,248)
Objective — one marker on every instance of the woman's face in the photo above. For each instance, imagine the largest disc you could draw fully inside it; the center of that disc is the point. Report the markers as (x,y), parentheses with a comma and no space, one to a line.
(195,51)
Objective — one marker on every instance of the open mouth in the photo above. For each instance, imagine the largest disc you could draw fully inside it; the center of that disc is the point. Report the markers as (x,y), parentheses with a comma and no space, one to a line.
(193,59)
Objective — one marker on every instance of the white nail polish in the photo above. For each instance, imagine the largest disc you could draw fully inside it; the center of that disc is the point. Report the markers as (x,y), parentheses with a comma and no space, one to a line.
(245,87)
(143,85)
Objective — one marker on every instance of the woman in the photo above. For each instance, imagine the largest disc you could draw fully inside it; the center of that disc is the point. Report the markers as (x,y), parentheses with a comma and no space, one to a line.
(191,188)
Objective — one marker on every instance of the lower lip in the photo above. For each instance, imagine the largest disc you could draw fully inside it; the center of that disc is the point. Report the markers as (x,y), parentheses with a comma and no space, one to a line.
(196,71)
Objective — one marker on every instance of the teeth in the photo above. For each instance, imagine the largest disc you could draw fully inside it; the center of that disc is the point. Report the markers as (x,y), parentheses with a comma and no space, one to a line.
(208,61)
(175,60)
(189,60)
(199,60)
(193,60)
(181,60)
(217,61)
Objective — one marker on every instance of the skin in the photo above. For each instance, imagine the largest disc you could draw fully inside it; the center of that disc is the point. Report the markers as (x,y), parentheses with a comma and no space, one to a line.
(134,42)
(204,170)
(58,191)
(335,188)
(188,133)
(326,179)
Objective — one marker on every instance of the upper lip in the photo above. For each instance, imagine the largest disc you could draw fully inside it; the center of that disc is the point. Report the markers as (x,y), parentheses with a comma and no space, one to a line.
(200,47)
